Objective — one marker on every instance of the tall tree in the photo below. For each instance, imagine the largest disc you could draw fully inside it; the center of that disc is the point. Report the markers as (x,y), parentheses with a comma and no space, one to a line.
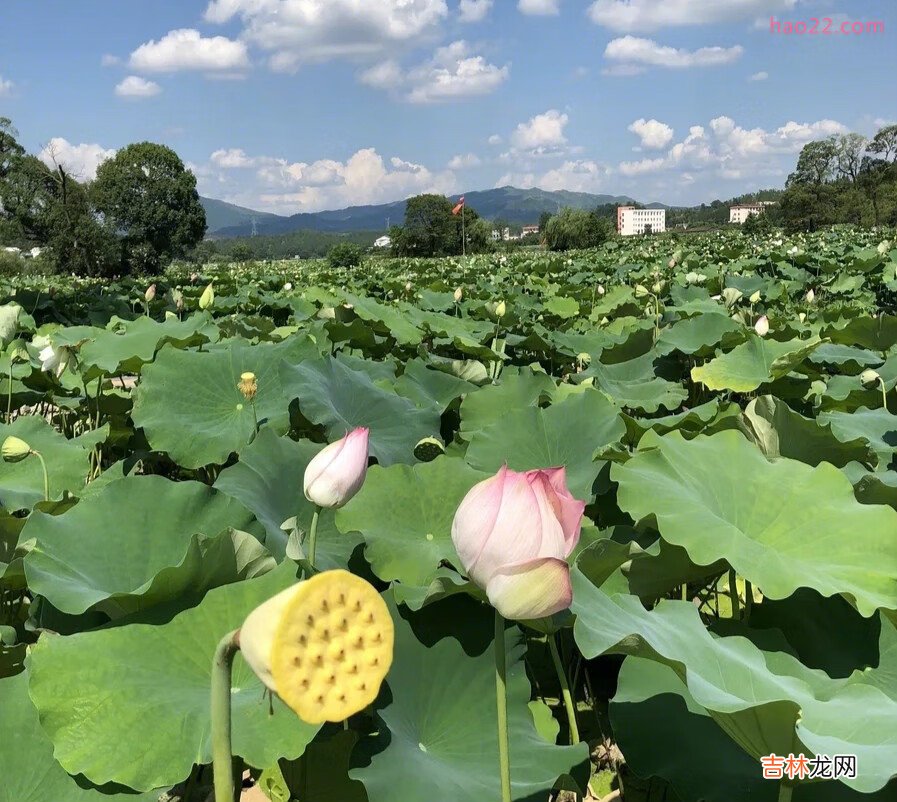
(849,150)
(884,143)
(816,163)
(145,193)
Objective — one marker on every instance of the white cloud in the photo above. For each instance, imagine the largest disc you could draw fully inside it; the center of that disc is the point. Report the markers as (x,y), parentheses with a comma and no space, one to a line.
(495,139)
(653,133)
(542,8)
(473,10)
(464,161)
(453,72)
(759,76)
(575,176)
(80,161)
(652,15)
(642,166)
(231,159)
(135,87)
(6,87)
(187,49)
(636,50)
(542,132)
(297,32)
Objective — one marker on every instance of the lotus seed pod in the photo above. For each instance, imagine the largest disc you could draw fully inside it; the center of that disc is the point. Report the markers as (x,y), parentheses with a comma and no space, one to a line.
(762,326)
(641,291)
(459,294)
(501,309)
(207,299)
(324,646)
(428,449)
(869,377)
(248,385)
(14,449)
(150,293)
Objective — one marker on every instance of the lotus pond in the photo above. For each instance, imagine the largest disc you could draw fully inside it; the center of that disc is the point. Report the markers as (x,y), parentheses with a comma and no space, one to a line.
(725,412)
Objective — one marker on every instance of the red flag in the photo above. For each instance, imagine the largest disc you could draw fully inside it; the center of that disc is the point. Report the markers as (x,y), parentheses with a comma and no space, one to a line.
(459,207)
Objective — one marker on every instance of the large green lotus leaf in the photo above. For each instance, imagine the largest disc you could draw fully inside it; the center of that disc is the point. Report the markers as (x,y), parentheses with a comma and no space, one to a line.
(464,334)
(690,422)
(783,525)
(268,481)
(847,357)
(633,384)
(516,390)
(127,344)
(696,334)
(393,319)
(752,364)
(442,739)
(878,333)
(29,770)
(68,462)
(877,426)
(189,406)
(97,691)
(132,545)
(430,388)
(405,515)
(779,431)
(663,732)
(339,398)
(562,307)
(565,434)
(765,701)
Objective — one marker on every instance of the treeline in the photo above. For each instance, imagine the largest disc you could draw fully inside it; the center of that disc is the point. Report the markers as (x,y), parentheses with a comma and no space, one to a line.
(141,211)
(843,179)
(304,244)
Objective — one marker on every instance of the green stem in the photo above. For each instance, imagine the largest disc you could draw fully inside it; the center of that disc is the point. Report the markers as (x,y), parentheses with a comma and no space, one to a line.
(748,601)
(733,593)
(43,465)
(9,400)
(501,709)
(785,791)
(884,392)
(313,536)
(255,418)
(565,689)
(222,756)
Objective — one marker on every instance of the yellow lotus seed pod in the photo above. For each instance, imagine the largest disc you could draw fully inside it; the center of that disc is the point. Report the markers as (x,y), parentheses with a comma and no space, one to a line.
(14,449)
(501,309)
(207,299)
(248,385)
(324,646)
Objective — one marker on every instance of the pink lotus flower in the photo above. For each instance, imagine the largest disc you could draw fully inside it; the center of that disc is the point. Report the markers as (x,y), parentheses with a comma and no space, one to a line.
(513,533)
(337,472)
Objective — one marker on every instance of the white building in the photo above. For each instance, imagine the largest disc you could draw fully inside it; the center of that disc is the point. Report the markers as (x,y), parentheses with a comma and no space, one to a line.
(527,230)
(632,221)
(741,212)
(382,242)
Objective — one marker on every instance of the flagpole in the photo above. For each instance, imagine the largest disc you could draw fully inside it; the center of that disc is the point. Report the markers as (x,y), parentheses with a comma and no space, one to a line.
(463,234)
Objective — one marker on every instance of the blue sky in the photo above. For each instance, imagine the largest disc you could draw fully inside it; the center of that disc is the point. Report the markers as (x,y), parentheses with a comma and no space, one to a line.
(301,105)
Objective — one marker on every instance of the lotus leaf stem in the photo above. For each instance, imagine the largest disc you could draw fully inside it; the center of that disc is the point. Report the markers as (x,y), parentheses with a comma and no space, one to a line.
(313,536)
(501,708)
(43,465)
(733,593)
(785,791)
(222,756)
(565,689)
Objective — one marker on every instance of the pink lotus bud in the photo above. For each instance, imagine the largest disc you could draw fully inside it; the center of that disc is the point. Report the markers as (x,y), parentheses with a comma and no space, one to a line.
(337,472)
(762,326)
(513,533)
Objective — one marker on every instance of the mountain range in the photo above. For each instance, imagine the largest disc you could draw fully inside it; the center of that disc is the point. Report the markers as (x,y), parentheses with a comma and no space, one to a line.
(512,205)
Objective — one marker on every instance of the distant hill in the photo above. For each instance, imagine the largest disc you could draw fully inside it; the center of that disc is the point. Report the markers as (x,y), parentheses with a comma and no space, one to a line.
(226,215)
(514,206)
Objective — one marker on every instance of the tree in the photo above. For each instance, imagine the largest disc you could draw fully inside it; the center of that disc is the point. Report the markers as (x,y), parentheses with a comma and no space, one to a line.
(816,163)
(849,155)
(241,252)
(577,228)
(345,255)
(145,193)
(884,143)
(431,229)
(543,221)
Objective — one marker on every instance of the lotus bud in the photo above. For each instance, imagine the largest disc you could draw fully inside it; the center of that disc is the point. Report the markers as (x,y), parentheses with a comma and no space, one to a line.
(287,287)
(802,316)
(178,297)
(870,377)
(207,299)
(337,472)
(513,534)
(248,385)
(324,646)
(459,294)
(500,309)
(883,247)
(755,298)
(150,293)
(601,289)
(671,264)
(194,277)
(810,296)
(407,286)
(14,449)
(56,360)
(762,326)
(657,287)
(641,291)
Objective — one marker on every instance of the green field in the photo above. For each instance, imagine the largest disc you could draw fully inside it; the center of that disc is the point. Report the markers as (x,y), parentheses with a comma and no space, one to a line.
(724,405)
